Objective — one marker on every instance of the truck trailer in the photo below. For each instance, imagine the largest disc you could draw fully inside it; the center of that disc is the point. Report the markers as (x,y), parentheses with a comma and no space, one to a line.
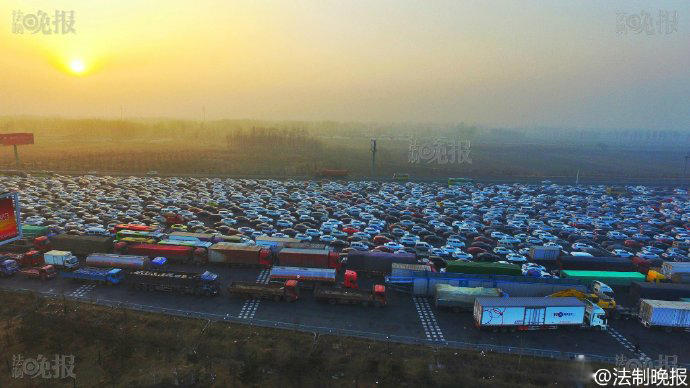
(81,245)
(378,263)
(311,258)
(471,267)
(335,295)
(287,291)
(525,313)
(241,255)
(612,278)
(182,282)
(173,253)
(109,276)
(309,277)
(460,298)
(126,262)
(665,314)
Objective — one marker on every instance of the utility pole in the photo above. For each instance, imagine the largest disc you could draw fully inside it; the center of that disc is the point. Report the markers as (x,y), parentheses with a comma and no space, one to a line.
(577,177)
(16,156)
(373,157)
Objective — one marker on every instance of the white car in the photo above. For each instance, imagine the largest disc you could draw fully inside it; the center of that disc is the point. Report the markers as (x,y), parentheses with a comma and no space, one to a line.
(621,253)
(516,258)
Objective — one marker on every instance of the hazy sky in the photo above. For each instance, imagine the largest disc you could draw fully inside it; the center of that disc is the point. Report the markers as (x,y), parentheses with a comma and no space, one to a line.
(497,63)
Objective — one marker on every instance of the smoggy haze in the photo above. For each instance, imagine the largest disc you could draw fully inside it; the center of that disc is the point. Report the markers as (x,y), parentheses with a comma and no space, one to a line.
(506,63)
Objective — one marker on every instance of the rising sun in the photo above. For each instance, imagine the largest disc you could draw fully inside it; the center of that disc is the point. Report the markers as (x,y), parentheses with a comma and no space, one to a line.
(77,66)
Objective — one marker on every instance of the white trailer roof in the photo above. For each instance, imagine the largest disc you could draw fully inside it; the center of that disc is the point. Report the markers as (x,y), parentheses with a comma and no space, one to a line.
(528,302)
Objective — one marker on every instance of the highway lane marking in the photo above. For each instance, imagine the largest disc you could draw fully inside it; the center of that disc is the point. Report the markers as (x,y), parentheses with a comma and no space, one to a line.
(251,305)
(83,290)
(627,344)
(432,331)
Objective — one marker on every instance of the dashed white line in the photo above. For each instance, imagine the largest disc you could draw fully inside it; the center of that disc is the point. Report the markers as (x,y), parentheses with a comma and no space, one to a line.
(251,305)
(432,331)
(627,344)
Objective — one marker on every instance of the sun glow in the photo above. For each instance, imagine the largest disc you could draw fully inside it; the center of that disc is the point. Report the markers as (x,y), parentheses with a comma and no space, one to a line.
(77,66)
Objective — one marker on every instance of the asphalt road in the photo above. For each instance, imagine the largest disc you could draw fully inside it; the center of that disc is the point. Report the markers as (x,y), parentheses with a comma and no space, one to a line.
(406,318)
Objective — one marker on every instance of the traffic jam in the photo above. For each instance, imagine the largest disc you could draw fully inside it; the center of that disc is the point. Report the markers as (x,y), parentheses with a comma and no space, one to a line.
(514,256)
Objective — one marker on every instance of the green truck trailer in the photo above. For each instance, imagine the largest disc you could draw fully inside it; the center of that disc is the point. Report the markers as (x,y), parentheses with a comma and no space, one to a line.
(33,231)
(608,277)
(471,267)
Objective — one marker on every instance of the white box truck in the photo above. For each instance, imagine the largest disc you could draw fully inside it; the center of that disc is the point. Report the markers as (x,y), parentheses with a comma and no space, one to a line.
(665,314)
(525,313)
(64,259)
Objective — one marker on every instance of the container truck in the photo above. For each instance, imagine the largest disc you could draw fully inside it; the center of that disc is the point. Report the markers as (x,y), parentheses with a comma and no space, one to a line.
(8,267)
(287,291)
(335,295)
(312,258)
(460,298)
(81,245)
(594,263)
(182,282)
(306,277)
(525,313)
(665,314)
(61,259)
(470,267)
(378,263)
(187,243)
(173,253)
(274,242)
(621,279)
(45,272)
(110,276)
(126,262)
(402,269)
(240,255)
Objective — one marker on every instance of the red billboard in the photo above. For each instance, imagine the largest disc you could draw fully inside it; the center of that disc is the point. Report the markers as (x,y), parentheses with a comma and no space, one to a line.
(10,225)
(9,139)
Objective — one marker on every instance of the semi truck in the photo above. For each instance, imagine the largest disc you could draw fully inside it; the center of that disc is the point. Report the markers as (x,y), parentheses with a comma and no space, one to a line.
(61,259)
(306,277)
(312,258)
(126,262)
(287,291)
(181,282)
(44,272)
(527,313)
(81,245)
(8,268)
(240,255)
(460,298)
(665,314)
(110,276)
